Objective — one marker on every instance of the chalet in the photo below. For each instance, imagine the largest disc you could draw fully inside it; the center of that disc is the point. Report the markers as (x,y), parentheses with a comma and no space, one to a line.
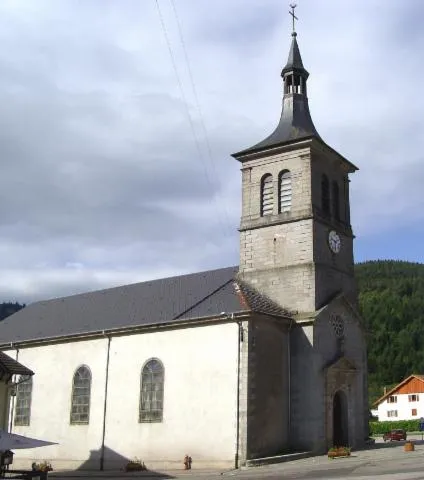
(403,402)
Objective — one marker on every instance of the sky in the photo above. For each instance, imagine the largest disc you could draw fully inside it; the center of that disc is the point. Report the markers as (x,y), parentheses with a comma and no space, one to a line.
(116,159)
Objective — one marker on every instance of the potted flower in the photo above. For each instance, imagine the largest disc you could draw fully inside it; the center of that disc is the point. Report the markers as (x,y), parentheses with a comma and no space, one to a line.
(336,452)
(135,465)
(409,446)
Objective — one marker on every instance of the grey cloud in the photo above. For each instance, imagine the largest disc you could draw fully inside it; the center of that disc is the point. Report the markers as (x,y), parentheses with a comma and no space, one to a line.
(102,182)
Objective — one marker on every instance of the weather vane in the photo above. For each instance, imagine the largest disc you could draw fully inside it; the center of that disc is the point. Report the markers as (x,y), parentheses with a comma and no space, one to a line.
(293,6)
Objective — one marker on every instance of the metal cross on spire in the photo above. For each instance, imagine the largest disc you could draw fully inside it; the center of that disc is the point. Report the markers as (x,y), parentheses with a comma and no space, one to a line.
(293,6)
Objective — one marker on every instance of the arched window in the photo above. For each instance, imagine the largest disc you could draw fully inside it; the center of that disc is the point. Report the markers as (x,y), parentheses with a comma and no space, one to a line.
(325,195)
(23,401)
(285,191)
(336,201)
(151,394)
(267,197)
(81,392)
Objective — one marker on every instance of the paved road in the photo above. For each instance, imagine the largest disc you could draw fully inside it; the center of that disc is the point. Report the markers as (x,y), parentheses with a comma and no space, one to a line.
(382,462)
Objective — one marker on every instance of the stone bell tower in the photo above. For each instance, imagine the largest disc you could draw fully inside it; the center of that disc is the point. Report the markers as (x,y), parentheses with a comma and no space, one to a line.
(295,232)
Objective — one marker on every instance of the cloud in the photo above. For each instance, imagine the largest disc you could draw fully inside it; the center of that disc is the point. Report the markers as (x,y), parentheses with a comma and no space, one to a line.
(107,177)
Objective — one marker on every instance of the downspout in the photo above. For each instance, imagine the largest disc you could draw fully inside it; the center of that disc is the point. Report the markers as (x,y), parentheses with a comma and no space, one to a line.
(289,377)
(12,406)
(239,341)
(102,453)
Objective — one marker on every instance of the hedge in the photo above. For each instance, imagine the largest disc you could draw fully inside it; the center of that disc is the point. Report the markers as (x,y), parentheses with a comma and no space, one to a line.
(378,428)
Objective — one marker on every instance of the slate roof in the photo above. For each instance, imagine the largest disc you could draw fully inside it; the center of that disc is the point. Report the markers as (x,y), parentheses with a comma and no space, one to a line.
(295,121)
(9,367)
(157,302)
(294,61)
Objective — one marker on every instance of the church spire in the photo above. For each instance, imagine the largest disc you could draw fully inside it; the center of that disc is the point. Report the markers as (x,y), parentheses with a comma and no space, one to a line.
(295,121)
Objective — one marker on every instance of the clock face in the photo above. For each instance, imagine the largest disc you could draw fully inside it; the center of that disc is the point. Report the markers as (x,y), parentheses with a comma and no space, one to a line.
(334,241)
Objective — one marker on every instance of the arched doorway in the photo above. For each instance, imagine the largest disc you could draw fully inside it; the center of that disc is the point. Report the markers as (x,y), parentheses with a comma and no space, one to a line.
(340,421)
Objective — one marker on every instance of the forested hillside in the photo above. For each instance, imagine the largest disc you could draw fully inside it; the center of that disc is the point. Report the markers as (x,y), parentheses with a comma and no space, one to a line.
(391,298)
(7,308)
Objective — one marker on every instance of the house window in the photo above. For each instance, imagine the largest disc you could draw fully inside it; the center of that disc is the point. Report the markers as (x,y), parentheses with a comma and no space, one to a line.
(413,398)
(392,413)
(151,394)
(325,195)
(23,401)
(81,392)
(267,195)
(392,399)
(414,412)
(285,191)
(336,201)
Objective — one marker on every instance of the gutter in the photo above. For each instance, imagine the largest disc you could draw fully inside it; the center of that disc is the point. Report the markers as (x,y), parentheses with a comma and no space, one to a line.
(102,451)
(223,317)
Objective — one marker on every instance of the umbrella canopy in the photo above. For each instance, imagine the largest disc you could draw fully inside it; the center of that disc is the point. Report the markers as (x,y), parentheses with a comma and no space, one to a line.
(11,441)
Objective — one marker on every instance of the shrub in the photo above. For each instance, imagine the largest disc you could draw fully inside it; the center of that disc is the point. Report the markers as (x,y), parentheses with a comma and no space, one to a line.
(378,428)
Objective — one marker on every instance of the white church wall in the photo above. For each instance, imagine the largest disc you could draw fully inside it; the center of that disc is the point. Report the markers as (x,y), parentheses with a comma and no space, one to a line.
(200,397)
(54,367)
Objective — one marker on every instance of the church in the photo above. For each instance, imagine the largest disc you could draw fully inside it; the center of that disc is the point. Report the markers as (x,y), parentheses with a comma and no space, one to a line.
(227,365)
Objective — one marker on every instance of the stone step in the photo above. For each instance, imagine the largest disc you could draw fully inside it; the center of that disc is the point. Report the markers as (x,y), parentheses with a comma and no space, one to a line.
(287,457)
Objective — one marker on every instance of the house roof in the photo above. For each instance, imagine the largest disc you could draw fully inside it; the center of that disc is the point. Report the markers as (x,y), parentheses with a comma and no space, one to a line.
(157,302)
(9,367)
(399,385)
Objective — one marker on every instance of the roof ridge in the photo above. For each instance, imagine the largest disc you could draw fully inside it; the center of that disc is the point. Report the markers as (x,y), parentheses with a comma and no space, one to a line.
(196,304)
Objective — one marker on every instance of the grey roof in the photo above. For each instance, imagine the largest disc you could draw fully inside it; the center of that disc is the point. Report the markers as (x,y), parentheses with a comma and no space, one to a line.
(295,121)
(294,62)
(174,299)
(9,367)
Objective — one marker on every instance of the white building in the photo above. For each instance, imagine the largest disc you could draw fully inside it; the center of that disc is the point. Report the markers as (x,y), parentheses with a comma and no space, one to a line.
(403,402)
(226,365)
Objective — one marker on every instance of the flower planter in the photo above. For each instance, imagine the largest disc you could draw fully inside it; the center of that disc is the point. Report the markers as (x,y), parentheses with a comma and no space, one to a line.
(409,446)
(338,452)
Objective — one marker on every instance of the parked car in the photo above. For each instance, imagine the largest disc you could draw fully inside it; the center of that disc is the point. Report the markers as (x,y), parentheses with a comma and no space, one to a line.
(398,434)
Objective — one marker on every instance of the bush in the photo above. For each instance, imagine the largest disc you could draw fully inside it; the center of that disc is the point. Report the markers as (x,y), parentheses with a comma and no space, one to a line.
(378,428)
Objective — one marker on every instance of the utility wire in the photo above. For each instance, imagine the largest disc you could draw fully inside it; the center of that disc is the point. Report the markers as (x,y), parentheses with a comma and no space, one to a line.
(197,102)
(183,96)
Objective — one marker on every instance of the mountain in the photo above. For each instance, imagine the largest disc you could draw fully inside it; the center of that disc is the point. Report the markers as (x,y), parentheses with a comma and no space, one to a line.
(7,308)
(391,300)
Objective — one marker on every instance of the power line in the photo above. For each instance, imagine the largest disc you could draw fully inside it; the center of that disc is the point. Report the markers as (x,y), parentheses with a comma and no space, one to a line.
(197,102)
(184,98)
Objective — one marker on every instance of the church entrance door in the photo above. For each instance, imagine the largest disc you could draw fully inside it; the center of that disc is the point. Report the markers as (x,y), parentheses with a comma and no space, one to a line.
(340,420)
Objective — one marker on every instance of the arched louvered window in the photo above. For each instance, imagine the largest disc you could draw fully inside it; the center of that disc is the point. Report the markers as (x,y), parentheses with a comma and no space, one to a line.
(81,392)
(151,394)
(325,195)
(336,201)
(285,191)
(23,401)
(267,195)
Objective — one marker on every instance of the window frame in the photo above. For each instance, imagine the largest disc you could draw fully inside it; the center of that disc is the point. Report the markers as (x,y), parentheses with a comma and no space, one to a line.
(267,179)
(284,175)
(325,195)
(392,413)
(24,420)
(335,200)
(392,399)
(413,397)
(72,414)
(151,415)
